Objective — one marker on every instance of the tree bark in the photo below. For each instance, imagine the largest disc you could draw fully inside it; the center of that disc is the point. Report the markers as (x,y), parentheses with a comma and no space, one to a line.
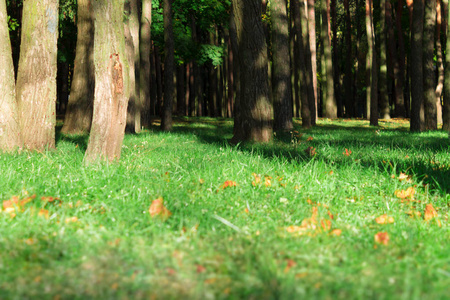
(79,111)
(400,110)
(111,83)
(384,99)
(130,55)
(417,65)
(348,78)
(166,119)
(282,90)
(313,48)
(439,62)
(181,90)
(429,30)
(335,58)
(10,138)
(372,82)
(145,46)
(255,107)
(446,107)
(36,78)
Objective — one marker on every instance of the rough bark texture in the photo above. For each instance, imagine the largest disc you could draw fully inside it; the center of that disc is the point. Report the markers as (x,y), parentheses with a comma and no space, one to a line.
(429,29)
(329,101)
(446,107)
(181,90)
(255,107)
(9,124)
(166,118)
(282,90)
(111,83)
(348,79)
(335,58)
(129,51)
(36,78)
(417,65)
(313,48)
(78,116)
(372,82)
(439,62)
(400,110)
(145,46)
(383,82)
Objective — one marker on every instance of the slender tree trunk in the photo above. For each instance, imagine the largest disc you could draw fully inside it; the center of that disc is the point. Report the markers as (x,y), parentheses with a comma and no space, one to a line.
(62,79)
(166,119)
(255,107)
(429,87)
(130,52)
(159,81)
(439,62)
(111,82)
(400,75)
(181,90)
(236,72)
(145,46)
(313,48)
(79,111)
(329,101)
(348,78)
(384,99)
(230,79)
(36,78)
(192,90)
(335,59)
(446,107)
(282,89)
(417,88)
(372,89)
(9,122)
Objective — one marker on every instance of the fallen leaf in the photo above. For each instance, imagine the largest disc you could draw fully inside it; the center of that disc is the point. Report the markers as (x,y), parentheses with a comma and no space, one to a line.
(414,213)
(403,176)
(347,152)
(43,213)
(310,138)
(382,238)
(157,209)
(430,214)
(384,219)
(311,151)
(228,183)
(403,194)
(201,269)
(71,220)
(267,181)
(290,263)
(336,232)
(257,179)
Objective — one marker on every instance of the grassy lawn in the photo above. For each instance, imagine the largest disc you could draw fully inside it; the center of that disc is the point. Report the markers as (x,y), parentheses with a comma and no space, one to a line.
(340,211)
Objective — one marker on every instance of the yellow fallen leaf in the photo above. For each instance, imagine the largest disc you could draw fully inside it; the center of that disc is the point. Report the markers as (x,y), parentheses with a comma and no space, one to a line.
(336,232)
(403,194)
(157,209)
(257,179)
(430,214)
(43,213)
(71,220)
(384,219)
(382,238)
(228,183)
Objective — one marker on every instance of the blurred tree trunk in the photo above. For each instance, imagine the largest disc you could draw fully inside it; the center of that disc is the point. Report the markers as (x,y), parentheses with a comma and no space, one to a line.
(417,65)
(62,90)
(439,62)
(313,49)
(348,78)
(145,46)
(282,90)
(79,111)
(255,107)
(9,122)
(384,99)
(371,69)
(111,82)
(166,117)
(36,78)
(446,107)
(400,74)
(181,90)
(429,87)
(335,59)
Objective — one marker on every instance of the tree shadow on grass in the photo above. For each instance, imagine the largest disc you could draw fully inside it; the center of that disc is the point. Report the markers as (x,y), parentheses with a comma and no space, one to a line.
(80,140)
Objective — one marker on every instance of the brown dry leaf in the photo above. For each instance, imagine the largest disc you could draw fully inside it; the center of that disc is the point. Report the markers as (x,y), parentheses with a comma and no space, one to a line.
(201,269)
(16,202)
(289,265)
(157,209)
(382,238)
(384,219)
(403,194)
(430,214)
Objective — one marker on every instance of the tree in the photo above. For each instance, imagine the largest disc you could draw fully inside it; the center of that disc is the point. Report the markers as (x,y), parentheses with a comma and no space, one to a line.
(255,115)
(384,99)
(282,90)
(417,66)
(348,78)
(9,125)
(429,100)
(78,118)
(446,107)
(111,82)
(145,46)
(313,49)
(371,62)
(166,119)
(36,78)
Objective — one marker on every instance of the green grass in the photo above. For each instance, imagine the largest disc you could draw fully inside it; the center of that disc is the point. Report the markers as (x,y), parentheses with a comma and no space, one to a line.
(230,243)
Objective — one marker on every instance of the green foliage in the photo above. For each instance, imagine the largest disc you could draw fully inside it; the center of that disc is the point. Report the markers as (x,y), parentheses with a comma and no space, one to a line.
(13,24)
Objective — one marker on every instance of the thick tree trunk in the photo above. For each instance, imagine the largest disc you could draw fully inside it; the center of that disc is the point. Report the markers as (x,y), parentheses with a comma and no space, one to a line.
(429,30)
(79,111)
(145,46)
(348,78)
(282,90)
(255,107)
(111,82)
(439,62)
(383,82)
(313,48)
(36,78)
(446,107)
(329,102)
(166,117)
(9,122)
(372,82)
(417,65)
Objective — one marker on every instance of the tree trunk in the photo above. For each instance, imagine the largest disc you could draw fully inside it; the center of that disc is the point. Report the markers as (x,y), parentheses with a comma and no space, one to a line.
(313,48)
(384,99)
(159,80)
(439,62)
(79,111)
(236,72)
(335,59)
(348,78)
(255,107)
(145,46)
(111,82)
(9,122)
(400,75)
(372,89)
(36,78)
(230,78)
(446,107)
(417,65)
(429,30)
(130,52)
(62,79)
(282,90)
(166,117)
(329,101)
(181,90)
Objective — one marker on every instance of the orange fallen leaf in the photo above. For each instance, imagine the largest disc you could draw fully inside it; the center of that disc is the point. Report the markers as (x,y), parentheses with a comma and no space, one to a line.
(257,179)
(201,269)
(16,202)
(336,232)
(310,138)
(311,151)
(403,176)
(43,213)
(382,238)
(403,194)
(71,220)
(157,209)
(290,263)
(347,152)
(384,219)
(228,183)
(267,182)
(430,214)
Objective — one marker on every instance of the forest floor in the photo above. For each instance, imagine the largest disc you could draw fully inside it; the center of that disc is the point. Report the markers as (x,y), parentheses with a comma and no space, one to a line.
(340,211)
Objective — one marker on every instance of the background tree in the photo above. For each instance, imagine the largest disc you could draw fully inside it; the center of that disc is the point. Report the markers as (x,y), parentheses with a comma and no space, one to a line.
(36,78)
(145,45)
(446,106)
(9,124)
(372,76)
(429,82)
(111,82)
(383,82)
(166,118)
